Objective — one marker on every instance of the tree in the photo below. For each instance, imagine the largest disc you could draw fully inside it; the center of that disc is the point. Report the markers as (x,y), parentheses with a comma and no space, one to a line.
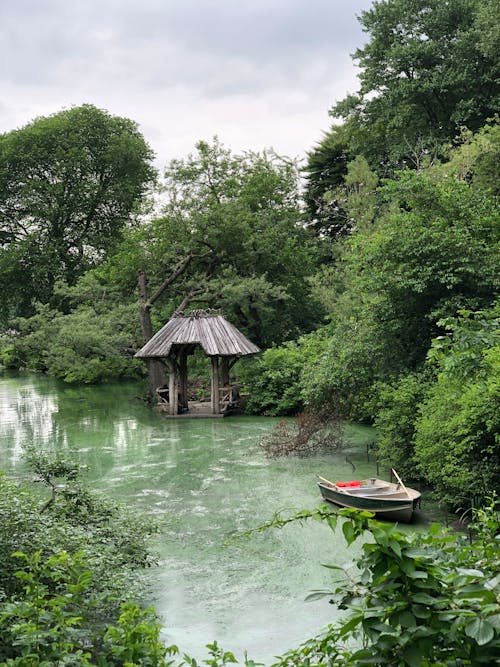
(427,69)
(457,443)
(432,250)
(230,237)
(69,183)
(325,170)
(231,225)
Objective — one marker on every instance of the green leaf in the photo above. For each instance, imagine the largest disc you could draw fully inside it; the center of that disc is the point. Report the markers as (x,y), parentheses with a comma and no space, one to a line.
(407,620)
(408,566)
(423,598)
(480,630)
(349,532)
(317,595)
(494,621)
(420,612)
(412,655)
(418,574)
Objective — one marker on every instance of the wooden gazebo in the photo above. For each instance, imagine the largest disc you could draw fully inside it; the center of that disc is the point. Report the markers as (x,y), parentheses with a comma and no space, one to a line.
(174,342)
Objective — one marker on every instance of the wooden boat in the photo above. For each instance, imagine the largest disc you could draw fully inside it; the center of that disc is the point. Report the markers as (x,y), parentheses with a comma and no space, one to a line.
(387,500)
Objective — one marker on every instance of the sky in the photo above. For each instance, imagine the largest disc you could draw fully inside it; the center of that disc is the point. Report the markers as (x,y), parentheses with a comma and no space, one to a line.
(257,73)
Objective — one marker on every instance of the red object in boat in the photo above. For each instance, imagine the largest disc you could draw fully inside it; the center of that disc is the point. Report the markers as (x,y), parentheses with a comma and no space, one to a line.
(355,482)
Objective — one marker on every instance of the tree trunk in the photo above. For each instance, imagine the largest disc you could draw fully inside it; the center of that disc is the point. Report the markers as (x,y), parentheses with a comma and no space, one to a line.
(155,368)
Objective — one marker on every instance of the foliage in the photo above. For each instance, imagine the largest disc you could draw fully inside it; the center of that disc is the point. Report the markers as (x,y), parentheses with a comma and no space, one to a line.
(272,381)
(48,623)
(426,69)
(457,444)
(44,622)
(325,170)
(476,159)
(395,421)
(344,202)
(69,183)
(418,599)
(231,223)
(135,640)
(95,342)
(436,252)
(113,540)
(237,217)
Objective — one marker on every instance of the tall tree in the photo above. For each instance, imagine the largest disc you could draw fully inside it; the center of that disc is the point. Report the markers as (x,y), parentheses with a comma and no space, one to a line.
(69,183)
(428,68)
(239,220)
(325,170)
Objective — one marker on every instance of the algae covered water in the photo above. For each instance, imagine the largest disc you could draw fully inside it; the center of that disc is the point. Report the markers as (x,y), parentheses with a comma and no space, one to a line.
(208,480)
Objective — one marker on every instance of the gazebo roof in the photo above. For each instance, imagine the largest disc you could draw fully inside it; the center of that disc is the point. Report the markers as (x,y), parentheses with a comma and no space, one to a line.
(214,333)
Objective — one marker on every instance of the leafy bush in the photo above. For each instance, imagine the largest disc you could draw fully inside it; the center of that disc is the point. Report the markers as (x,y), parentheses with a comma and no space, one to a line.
(274,380)
(398,409)
(419,599)
(113,541)
(413,599)
(48,623)
(91,344)
(457,442)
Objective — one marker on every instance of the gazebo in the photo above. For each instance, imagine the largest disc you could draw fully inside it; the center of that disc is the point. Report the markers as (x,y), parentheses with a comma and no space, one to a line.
(174,342)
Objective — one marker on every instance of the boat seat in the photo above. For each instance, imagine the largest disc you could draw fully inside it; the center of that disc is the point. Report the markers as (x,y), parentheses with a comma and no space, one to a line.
(360,490)
(401,494)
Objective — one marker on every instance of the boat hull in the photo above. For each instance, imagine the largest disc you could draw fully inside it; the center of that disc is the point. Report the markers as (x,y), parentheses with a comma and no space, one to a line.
(394,509)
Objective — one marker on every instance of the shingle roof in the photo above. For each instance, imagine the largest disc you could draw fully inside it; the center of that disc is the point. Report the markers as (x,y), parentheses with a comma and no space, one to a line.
(215,334)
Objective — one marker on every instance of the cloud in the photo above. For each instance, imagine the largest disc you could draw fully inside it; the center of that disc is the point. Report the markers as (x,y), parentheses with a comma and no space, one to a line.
(249,70)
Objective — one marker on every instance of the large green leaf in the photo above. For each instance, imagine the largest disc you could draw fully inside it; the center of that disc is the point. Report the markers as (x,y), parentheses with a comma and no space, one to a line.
(480,630)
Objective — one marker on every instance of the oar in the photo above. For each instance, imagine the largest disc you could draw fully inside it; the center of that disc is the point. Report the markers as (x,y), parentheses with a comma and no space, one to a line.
(326,480)
(401,482)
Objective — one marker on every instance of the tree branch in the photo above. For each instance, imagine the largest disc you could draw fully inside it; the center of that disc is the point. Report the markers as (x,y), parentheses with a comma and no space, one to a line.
(172,277)
(187,300)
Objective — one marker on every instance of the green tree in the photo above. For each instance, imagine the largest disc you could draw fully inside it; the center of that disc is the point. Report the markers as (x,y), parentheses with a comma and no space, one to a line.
(69,183)
(395,421)
(427,69)
(457,443)
(325,170)
(231,224)
(244,211)
(432,250)
(90,335)
(230,237)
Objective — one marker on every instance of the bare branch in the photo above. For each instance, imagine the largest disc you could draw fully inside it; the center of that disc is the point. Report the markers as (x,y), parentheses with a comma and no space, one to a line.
(187,300)
(182,266)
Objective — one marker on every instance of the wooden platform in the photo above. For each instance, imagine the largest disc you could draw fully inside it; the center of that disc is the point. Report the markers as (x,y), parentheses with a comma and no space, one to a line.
(196,410)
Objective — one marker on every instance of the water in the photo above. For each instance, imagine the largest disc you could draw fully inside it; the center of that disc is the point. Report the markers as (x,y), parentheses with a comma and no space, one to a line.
(208,480)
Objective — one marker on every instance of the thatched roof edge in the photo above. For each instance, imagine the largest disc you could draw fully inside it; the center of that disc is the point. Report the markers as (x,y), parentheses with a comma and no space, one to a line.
(214,333)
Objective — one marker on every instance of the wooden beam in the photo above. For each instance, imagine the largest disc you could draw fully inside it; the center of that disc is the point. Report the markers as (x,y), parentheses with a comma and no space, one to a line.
(183,378)
(173,390)
(224,370)
(215,385)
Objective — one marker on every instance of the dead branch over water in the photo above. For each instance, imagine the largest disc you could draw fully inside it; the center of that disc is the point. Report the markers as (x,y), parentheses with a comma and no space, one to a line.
(309,433)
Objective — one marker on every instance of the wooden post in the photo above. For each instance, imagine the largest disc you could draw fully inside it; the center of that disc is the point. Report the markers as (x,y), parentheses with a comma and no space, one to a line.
(215,385)
(173,389)
(183,384)
(224,370)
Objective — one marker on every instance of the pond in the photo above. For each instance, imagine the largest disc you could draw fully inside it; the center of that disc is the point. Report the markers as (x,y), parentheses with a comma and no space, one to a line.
(208,479)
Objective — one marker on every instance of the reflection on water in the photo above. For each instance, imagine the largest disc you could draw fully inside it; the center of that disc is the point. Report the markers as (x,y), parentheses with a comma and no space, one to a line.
(209,479)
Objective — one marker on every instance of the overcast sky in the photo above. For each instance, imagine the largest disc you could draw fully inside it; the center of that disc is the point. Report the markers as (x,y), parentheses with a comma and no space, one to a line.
(257,73)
